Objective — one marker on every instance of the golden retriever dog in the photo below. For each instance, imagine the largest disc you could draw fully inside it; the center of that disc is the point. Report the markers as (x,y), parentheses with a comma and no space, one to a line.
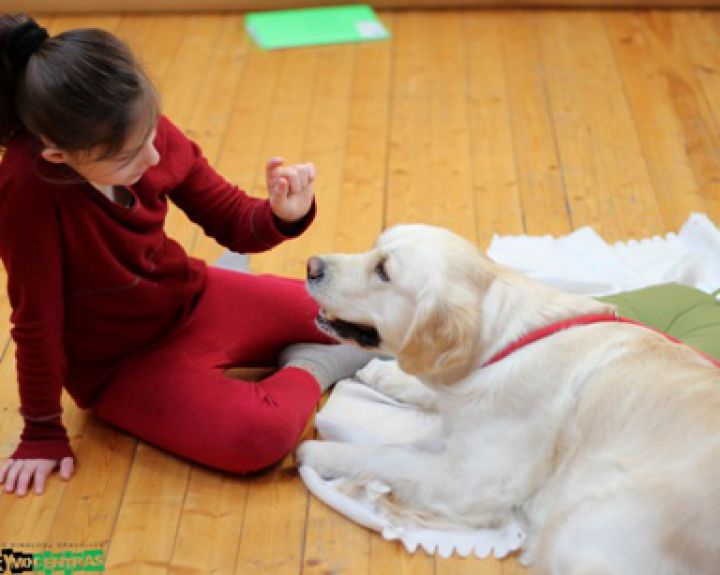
(602,439)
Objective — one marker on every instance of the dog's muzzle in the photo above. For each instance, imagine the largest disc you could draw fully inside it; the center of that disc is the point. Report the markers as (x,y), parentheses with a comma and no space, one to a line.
(364,335)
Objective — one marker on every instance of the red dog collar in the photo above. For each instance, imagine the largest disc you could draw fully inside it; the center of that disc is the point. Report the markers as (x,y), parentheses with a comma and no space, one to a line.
(548,330)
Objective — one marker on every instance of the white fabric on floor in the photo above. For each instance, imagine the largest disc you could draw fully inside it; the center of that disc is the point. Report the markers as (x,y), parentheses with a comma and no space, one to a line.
(581,262)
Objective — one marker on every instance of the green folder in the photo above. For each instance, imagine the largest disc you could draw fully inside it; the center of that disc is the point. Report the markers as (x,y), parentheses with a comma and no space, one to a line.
(312,26)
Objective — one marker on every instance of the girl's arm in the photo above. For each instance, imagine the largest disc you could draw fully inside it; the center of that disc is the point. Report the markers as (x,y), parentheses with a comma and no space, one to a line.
(237,221)
(30,247)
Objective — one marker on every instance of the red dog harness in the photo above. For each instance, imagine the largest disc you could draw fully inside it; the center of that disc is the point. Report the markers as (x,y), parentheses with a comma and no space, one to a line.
(544,332)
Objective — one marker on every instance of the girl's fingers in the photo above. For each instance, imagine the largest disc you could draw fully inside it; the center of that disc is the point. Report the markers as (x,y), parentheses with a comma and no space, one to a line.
(67,466)
(291,174)
(26,474)
(304,176)
(39,482)
(12,476)
(274,162)
(271,168)
(306,171)
(40,479)
(19,474)
(279,187)
(4,467)
(311,171)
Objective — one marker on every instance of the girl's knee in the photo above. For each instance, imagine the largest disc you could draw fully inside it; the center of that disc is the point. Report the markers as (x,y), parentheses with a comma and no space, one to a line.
(258,444)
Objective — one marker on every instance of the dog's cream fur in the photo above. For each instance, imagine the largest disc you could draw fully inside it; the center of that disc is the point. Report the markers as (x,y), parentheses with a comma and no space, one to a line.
(603,440)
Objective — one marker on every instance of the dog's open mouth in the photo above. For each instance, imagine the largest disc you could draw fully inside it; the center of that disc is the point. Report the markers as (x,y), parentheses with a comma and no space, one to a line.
(363,335)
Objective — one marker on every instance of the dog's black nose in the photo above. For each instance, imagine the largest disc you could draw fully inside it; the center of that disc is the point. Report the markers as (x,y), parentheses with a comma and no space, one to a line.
(315,268)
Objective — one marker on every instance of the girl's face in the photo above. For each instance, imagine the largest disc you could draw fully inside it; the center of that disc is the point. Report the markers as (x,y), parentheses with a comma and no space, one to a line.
(123,169)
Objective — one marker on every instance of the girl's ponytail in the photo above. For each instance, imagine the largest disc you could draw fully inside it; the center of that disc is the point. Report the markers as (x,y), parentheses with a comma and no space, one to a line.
(81,90)
(20,37)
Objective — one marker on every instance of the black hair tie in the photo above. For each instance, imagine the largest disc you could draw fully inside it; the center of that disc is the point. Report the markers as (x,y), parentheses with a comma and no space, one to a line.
(22,42)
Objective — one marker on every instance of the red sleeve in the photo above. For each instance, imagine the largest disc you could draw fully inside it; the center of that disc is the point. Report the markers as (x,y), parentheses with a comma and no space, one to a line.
(30,248)
(236,220)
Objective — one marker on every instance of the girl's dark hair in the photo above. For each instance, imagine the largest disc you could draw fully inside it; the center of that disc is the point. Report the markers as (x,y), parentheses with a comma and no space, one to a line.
(81,89)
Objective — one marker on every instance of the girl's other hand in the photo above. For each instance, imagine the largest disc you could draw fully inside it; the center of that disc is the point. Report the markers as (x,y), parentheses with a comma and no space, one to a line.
(290,189)
(17,474)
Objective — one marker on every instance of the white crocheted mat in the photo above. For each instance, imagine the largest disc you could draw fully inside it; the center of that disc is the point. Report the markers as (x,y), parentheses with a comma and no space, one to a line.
(580,262)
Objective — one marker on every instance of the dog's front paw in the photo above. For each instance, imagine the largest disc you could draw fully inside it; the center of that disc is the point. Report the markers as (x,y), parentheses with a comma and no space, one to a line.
(379,370)
(305,454)
(331,458)
(387,378)
(316,454)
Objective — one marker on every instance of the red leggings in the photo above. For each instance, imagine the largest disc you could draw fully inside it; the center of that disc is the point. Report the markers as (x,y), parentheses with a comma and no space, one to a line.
(178,397)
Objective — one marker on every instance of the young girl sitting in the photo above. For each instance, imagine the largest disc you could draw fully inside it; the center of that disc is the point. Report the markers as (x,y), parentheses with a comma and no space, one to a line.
(108,307)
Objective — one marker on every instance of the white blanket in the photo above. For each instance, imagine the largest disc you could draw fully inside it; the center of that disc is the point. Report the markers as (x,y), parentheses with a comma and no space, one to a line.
(580,262)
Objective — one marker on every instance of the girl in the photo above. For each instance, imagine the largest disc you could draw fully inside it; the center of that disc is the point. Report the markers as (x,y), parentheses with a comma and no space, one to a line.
(107,306)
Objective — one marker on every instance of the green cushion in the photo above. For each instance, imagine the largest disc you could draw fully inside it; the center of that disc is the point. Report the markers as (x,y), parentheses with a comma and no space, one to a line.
(684,312)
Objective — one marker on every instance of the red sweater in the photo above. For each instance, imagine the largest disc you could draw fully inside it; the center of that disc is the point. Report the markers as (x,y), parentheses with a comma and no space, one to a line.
(91,282)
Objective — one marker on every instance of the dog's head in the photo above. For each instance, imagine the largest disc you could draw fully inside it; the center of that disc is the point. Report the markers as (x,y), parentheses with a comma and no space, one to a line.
(415,295)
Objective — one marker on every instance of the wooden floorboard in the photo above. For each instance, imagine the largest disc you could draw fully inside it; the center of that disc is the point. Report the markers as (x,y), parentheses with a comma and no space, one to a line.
(485,122)
(543,198)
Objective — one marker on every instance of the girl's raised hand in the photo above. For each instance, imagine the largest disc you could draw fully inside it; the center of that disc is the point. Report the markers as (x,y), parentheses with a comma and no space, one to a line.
(289,189)
(17,474)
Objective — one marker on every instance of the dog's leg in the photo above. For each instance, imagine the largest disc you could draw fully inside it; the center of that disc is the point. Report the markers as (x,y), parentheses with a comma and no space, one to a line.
(405,469)
(387,378)
(385,462)
(420,481)
(607,537)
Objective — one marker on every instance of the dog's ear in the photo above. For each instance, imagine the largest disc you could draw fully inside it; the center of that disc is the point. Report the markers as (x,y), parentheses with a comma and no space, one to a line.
(441,337)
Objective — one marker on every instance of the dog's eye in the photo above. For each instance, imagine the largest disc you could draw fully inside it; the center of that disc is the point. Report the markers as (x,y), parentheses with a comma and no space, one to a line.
(380,271)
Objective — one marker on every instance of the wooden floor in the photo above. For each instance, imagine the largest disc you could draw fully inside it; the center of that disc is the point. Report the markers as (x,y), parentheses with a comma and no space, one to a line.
(484,122)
